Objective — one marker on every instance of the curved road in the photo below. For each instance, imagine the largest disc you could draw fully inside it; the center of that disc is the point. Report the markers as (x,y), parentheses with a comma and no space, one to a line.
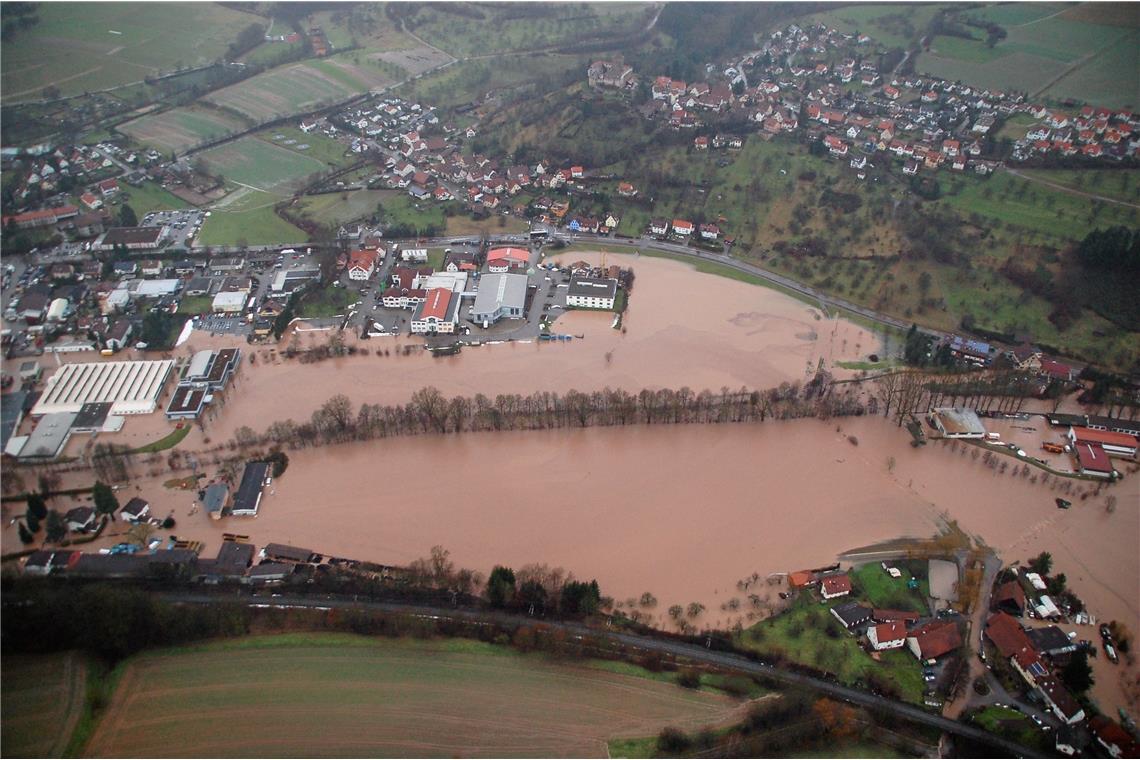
(690,651)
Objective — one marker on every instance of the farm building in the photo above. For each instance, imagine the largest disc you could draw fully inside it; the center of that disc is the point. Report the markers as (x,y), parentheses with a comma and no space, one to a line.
(248,497)
(887,635)
(591,293)
(500,295)
(958,422)
(851,614)
(1113,443)
(1092,460)
(286,553)
(934,639)
(132,387)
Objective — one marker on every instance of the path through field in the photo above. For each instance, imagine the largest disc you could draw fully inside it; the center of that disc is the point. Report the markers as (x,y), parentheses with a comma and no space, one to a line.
(1072,191)
(43,698)
(352,696)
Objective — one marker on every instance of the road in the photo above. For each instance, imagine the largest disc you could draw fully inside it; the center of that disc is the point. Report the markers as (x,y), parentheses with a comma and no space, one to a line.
(1071,191)
(677,649)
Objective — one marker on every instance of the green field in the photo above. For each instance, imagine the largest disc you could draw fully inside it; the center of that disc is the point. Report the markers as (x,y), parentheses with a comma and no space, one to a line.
(1037,208)
(150,197)
(1016,14)
(321,147)
(299,87)
(1095,63)
(262,165)
(1121,185)
(809,634)
(250,220)
(179,129)
(340,695)
(342,208)
(330,302)
(42,700)
(890,25)
(79,47)
(875,585)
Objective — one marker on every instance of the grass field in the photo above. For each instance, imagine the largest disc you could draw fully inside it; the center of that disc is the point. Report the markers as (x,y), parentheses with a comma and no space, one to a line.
(42,700)
(299,87)
(261,165)
(808,633)
(881,590)
(168,441)
(150,197)
(1095,63)
(250,220)
(342,208)
(330,302)
(314,145)
(340,695)
(1122,185)
(181,128)
(890,25)
(90,46)
(1015,14)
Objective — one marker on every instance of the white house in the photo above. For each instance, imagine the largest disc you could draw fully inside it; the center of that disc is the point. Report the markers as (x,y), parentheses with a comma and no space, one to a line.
(591,293)
(887,635)
(361,265)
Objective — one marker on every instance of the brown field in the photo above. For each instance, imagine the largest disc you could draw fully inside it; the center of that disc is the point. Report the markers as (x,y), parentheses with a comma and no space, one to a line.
(181,128)
(1109,14)
(349,696)
(42,698)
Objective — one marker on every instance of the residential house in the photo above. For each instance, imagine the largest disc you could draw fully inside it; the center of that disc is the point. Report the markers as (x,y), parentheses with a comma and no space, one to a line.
(834,586)
(659,227)
(135,510)
(887,635)
(934,639)
(682,227)
(709,232)
(80,519)
(851,614)
(591,293)
(361,265)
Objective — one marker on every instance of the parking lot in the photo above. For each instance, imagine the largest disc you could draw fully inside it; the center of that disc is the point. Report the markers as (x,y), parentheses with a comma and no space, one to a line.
(218,324)
(181,226)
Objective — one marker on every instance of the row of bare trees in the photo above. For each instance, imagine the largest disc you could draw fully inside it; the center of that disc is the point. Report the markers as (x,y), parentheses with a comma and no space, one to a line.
(429,411)
(910,391)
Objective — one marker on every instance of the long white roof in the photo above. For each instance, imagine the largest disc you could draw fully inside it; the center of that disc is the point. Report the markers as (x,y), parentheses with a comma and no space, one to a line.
(132,387)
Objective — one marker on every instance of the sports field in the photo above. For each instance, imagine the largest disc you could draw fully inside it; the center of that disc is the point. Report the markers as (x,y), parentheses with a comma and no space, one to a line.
(261,165)
(1047,53)
(41,697)
(246,217)
(181,128)
(299,87)
(90,46)
(349,696)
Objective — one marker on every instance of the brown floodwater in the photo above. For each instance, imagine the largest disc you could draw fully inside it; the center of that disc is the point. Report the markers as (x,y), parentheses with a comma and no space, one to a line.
(683,512)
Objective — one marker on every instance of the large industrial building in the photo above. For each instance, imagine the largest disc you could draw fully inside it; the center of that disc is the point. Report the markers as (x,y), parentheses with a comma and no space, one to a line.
(500,295)
(207,372)
(131,387)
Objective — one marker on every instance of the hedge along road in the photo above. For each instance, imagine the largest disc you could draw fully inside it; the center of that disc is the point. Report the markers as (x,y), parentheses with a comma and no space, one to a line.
(676,649)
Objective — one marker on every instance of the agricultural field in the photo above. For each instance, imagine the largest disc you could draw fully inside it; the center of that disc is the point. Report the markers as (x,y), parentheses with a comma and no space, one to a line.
(1048,54)
(890,25)
(460,84)
(42,701)
(79,47)
(474,29)
(1121,185)
(314,145)
(299,87)
(180,129)
(247,216)
(261,165)
(342,208)
(379,698)
(365,26)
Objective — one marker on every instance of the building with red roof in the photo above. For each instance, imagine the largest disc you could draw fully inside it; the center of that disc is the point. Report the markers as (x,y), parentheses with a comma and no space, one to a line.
(500,260)
(361,264)
(833,586)
(1113,443)
(1115,740)
(891,616)
(934,639)
(682,227)
(1092,460)
(887,635)
(1014,644)
(438,313)
(802,579)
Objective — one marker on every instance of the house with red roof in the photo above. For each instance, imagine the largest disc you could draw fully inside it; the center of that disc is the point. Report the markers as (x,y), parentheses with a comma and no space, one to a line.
(109,187)
(1116,741)
(1014,645)
(682,227)
(361,265)
(500,260)
(835,586)
(934,639)
(887,635)
(836,146)
(1113,443)
(710,232)
(890,616)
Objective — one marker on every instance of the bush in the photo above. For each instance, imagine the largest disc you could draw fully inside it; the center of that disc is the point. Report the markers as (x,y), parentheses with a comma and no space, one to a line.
(689,679)
(673,740)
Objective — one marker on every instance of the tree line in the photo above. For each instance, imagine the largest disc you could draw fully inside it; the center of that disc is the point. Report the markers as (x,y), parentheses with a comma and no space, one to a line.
(429,411)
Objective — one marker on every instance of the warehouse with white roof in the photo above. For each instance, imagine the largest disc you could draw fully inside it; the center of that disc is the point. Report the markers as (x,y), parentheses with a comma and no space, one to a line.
(131,387)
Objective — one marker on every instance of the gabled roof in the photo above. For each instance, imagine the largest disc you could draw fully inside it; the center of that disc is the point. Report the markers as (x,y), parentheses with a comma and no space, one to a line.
(937,638)
(1011,640)
(894,631)
(836,584)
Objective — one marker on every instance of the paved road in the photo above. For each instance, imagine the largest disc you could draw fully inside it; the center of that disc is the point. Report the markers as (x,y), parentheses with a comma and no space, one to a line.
(692,652)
